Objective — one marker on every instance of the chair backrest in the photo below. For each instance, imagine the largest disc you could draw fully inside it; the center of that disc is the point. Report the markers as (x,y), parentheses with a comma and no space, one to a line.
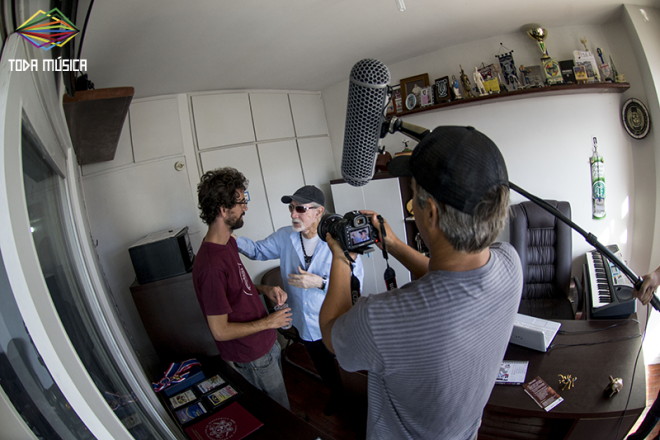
(273,277)
(544,245)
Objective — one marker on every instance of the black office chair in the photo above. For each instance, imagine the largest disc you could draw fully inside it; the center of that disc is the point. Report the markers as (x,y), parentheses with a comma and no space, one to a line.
(274,278)
(544,245)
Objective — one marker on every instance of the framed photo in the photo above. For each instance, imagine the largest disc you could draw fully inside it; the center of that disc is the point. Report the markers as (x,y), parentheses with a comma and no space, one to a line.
(533,76)
(580,74)
(411,101)
(426,96)
(408,84)
(586,59)
(398,102)
(391,107)
(442,90)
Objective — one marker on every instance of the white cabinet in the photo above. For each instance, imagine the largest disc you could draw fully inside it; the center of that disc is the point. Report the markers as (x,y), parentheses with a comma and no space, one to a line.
(155,128)
(308,114)
(124,206)
(384,197)
(271,115)
(318,165)
(257,221)
(222,119)
(280,166)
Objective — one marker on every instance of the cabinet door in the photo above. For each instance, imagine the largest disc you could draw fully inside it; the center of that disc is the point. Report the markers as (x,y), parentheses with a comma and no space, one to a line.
(271,115)
(258,224)
(308,114)
(155,128)
(280,166)
(318,165)
(222,119)
(384,197)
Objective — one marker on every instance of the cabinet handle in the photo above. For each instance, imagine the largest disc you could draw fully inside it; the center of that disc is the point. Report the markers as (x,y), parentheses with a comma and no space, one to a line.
(179,165)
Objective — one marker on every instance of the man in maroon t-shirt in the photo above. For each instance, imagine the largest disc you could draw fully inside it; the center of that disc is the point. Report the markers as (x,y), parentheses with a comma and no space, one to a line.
(243,330)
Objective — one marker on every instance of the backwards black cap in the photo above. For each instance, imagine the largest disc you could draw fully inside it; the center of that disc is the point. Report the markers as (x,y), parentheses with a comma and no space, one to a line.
(456,165)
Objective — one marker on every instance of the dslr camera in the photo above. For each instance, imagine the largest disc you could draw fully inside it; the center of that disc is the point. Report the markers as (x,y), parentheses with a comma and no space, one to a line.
(353,231)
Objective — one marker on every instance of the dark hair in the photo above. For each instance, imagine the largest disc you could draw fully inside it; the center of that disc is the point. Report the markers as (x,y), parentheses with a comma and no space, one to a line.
(217,189)
(471,233)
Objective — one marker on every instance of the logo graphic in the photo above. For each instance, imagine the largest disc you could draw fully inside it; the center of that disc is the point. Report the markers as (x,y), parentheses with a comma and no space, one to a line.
(221,429)
(47,30)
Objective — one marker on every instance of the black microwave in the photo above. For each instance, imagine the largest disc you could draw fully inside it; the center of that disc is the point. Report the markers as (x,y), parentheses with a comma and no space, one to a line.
(161,255)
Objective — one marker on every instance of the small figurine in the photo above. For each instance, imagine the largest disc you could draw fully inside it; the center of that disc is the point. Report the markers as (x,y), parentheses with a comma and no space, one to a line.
(583,40)
(479,81)
(614,386)
(467,88)
(455,88)
(567,381)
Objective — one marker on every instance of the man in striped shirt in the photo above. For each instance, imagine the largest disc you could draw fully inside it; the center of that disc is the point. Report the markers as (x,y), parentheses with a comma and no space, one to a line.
(433,347)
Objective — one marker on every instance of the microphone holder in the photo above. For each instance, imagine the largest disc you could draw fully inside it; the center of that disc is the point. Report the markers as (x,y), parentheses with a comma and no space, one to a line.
(418,133)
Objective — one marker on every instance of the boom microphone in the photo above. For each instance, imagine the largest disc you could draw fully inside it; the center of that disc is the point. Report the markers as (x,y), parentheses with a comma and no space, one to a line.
(367,95)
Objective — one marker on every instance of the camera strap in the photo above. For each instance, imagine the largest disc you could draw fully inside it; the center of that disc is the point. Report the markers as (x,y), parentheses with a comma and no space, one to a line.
(390,274)
(355,283)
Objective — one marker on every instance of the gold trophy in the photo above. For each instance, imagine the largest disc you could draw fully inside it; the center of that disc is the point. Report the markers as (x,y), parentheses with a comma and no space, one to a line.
(550,66)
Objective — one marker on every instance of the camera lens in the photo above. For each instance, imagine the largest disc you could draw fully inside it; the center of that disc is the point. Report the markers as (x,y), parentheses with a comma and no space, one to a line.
(327,224)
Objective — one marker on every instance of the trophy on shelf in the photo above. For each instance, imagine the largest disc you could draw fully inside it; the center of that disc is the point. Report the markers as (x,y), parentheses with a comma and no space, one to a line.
(550,66)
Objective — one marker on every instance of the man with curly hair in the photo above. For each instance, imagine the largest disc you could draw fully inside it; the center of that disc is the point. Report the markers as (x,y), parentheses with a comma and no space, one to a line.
(244,332)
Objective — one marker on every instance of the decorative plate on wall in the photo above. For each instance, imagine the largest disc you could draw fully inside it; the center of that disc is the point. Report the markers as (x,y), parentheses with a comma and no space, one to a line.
(636,118)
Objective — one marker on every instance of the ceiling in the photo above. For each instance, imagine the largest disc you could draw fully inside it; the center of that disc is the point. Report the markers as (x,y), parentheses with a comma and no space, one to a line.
(166,46)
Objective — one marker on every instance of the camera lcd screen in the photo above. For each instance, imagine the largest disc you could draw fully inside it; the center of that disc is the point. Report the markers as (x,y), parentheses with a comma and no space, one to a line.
(360,235)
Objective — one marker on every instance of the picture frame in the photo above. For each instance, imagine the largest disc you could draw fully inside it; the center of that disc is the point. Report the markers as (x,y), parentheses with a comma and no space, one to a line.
(442,93)
(407,84)
(586,59)
(426,96)
(398,101)
(411,101)
(391,107)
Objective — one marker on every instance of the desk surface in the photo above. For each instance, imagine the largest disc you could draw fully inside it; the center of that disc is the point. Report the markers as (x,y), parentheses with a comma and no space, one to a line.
(278,422)
(591,364)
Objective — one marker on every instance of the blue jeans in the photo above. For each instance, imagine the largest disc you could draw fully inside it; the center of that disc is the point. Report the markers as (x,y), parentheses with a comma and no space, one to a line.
(265,374)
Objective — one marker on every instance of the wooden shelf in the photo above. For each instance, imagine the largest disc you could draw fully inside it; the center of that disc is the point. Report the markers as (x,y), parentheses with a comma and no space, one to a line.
(560,89)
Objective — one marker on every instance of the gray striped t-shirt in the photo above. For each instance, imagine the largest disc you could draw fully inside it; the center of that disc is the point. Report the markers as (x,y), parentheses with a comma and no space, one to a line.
(432,348)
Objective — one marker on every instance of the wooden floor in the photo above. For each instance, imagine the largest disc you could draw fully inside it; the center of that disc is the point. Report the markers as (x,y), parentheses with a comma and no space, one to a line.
(308,396)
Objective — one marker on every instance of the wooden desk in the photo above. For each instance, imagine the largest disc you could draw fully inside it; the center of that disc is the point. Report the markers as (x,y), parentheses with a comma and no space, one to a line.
(585,413)
(279,423)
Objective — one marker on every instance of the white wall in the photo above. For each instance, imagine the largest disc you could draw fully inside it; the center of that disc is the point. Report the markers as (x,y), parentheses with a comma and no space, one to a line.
(643,26)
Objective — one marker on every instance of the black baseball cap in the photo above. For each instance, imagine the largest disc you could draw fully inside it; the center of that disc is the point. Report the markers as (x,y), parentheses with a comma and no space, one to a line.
(306,194)
(456,165)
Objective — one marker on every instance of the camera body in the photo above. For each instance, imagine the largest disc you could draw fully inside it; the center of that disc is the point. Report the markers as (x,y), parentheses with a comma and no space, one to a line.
(353,231)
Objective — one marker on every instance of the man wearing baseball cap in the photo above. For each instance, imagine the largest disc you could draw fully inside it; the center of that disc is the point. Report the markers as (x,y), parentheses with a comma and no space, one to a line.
(305,268)
(434,346)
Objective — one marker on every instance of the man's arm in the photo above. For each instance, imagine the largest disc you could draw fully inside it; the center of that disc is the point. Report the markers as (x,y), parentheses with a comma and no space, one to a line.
(223,330)
(650,284)
(338,299)
(275,293)
(266,249)
(415,262)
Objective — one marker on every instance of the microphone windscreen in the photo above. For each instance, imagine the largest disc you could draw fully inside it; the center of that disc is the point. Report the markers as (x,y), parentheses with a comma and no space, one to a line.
(367,96)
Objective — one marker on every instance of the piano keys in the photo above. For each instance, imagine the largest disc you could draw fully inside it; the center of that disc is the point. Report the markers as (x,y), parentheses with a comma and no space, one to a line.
(609,290)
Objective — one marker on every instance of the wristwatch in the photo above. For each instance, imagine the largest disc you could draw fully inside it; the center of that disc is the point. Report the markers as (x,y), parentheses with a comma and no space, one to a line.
(325,283)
